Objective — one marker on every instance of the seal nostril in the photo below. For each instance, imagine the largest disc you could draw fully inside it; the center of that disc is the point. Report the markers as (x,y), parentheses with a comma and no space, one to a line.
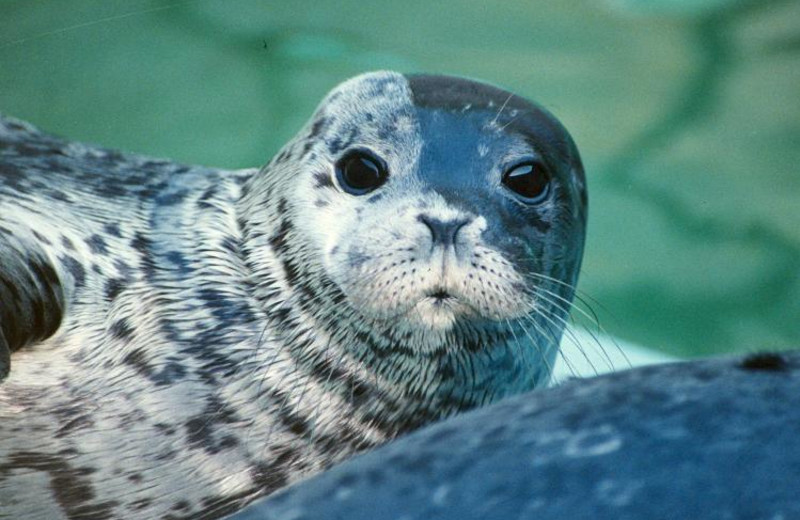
(443,231)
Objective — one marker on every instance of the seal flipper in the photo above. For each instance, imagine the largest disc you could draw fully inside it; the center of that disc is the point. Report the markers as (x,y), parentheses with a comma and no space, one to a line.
(31,298)
(5,356)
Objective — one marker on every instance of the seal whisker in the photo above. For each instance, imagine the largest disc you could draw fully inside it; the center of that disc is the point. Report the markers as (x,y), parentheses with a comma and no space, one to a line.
(558,321)
(554,299)
(581,296)
(521,351)
(542,353)
(502,107)
(568,305)
(510,121)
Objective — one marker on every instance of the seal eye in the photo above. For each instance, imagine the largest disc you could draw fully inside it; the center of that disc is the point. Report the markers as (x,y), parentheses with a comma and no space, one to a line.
(360,172)
(530,181)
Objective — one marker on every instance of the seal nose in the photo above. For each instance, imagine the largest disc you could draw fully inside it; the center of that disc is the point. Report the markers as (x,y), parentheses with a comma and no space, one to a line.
(443,231)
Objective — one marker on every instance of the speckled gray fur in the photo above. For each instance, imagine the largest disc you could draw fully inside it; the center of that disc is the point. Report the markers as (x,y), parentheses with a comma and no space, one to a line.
(186,339)
(708,440)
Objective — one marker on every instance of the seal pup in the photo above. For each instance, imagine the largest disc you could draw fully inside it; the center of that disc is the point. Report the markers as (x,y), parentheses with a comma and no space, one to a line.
(186,339)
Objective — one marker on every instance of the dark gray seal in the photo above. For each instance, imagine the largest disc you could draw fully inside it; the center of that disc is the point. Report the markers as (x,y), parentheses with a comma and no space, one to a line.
(713,439)
(182,340)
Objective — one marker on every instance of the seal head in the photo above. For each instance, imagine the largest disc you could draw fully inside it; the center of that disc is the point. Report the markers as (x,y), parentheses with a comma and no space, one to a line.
(429,218)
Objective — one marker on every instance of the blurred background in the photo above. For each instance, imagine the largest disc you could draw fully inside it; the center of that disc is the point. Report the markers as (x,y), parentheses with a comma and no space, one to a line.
(687,114)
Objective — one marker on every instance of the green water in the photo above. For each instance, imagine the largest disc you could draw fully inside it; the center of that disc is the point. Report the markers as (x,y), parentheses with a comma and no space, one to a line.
(687,115)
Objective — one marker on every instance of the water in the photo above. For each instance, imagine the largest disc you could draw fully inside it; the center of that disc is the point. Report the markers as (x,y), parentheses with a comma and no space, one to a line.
(687,115)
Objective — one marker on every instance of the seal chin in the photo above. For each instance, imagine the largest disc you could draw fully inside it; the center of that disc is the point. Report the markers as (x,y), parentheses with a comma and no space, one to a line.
(438,310)
(431,316)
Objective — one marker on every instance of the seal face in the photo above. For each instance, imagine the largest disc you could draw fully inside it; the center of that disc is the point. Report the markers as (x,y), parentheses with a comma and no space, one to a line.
(186,339)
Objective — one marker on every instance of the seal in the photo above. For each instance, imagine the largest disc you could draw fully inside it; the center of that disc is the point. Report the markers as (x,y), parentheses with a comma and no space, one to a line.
(603,448)
(179,340)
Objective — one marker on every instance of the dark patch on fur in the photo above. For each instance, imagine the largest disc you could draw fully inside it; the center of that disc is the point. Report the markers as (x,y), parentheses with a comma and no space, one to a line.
(209,194)
(273,475)
(317,128)
(165,429)
(169,372)
(41,238)
(112,229)
(141,503)
(306,148)
(201,430)
(181,505)
(123,269)
(323,180)
(291,271)
(111,190)
(58,195)
(177,258)
(283,204)
(80,422)
(75,268)
(69,485)
(113,287)
(281,157)
(225,309)
(97,245)
(278,240)
(121,329)
(343,139)
(325,372)
(137,359)
(167,454)
(143,245)
(379,84)
(171,199)
(231,245)
(764,361)
(67,243)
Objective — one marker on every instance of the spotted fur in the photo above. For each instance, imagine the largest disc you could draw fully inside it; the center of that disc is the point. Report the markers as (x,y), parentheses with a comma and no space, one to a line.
(186,339)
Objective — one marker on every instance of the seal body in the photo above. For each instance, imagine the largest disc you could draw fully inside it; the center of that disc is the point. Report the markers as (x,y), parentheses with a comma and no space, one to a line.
(181,340)
(604,448)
